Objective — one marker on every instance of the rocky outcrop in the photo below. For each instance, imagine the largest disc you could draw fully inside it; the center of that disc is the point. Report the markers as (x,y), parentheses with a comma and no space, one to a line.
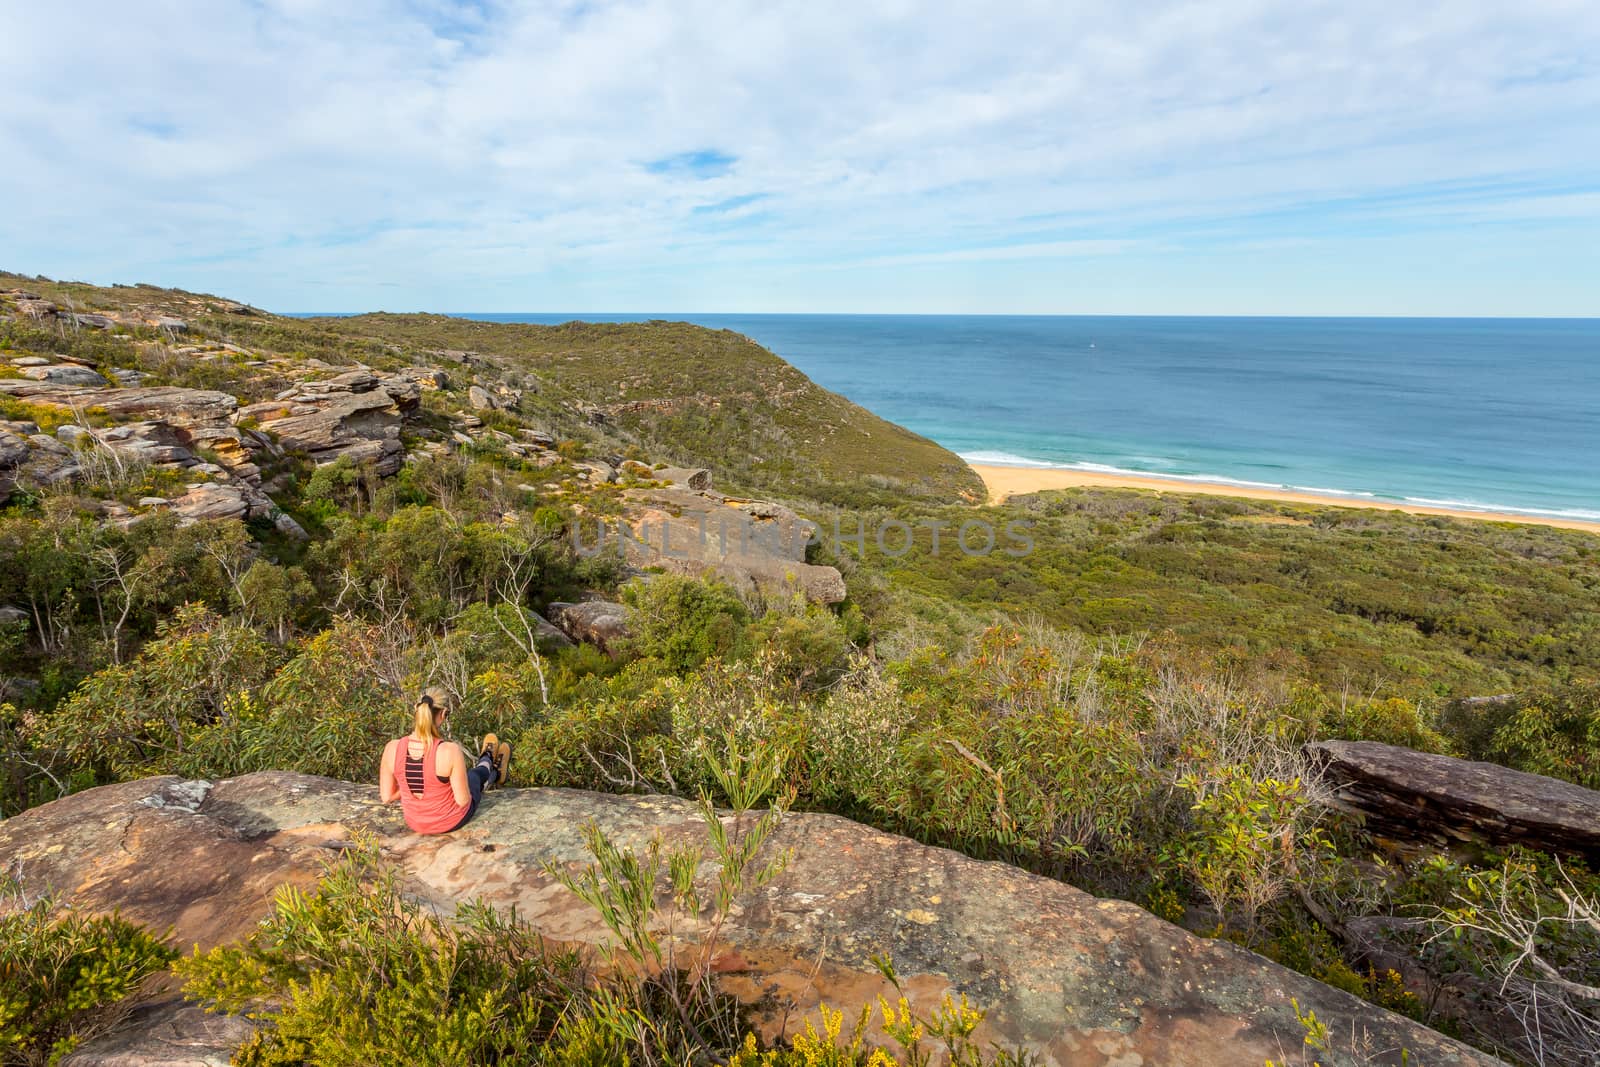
(1075,979)
(146,442)
(210,500)
(1440,800)
(170,417)
(601,623)
(748,544)
(180,407)
(355,415)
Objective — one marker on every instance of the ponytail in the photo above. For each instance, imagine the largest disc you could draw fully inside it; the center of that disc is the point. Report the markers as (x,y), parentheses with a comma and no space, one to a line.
(431,706)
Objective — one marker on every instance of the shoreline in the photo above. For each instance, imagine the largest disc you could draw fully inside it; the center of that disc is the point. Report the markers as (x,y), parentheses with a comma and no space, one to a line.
(1005,482)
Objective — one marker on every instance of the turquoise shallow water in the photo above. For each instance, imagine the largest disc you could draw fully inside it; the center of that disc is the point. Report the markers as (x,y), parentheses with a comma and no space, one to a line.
(1492,414)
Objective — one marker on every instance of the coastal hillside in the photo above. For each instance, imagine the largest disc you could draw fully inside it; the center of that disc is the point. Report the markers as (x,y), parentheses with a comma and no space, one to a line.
(681,392)
(234,546)
(706,397)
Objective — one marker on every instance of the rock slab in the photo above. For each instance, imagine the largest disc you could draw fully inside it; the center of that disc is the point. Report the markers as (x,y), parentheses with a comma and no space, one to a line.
(1440,800)
(1081,981)
(748,544)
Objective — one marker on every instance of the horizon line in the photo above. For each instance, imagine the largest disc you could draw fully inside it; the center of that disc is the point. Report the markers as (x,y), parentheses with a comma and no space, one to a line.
(671,316)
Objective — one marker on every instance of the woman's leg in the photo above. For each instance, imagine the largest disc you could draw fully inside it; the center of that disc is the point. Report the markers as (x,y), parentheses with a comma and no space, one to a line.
(481,774)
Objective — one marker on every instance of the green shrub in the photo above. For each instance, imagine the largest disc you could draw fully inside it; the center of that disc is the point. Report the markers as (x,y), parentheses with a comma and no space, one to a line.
(63,974)
(329,710)
(1393,721)
(1556,733)
(683,622)
(143,716)
(356,973)
(618,739)
(808,642)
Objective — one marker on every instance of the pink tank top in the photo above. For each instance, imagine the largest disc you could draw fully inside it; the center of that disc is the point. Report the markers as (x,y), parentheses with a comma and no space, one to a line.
(434,810)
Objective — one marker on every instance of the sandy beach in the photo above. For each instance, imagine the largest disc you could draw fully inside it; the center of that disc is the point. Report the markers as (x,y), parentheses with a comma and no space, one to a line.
(1006,482)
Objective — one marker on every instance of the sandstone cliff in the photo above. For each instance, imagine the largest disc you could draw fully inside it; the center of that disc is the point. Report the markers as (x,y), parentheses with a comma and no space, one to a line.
(1081,981)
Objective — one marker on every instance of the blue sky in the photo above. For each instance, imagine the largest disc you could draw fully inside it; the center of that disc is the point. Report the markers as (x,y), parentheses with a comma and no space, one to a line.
(1221,157)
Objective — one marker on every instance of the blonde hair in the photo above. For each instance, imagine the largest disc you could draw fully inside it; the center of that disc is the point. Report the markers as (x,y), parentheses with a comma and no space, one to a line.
(431,706)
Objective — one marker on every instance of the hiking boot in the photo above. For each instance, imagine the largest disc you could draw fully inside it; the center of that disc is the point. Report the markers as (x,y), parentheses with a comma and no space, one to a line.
(502,761)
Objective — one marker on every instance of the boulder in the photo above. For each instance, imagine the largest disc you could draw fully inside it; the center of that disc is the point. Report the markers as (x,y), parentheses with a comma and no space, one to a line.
(1074,979)
(601,623)
(479,398)
(540,438)
(46,443)
(9,613)
(548,634)
(94,322)
(166,1033)
(597,472)
(697,478)
(1437,800)
(30,361)
(64,374)
(285,524)
(149,442)
(426,377)
(14,450)
(211,501)
(170,324)
(37,308)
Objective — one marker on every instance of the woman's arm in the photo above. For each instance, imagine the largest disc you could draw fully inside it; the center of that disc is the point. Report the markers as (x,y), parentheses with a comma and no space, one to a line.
(388,791)
(458,771)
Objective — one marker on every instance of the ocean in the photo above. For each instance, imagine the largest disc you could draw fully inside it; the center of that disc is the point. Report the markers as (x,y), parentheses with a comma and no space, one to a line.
(1472,414)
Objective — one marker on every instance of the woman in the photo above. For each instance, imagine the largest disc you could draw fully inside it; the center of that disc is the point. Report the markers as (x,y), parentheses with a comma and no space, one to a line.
(437,791)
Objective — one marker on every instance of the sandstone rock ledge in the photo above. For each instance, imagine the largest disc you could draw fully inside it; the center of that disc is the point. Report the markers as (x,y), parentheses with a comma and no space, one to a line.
(1082,981)
(1443,801)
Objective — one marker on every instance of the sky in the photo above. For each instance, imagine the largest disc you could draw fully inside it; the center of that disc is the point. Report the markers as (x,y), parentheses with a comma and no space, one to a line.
(1087,157)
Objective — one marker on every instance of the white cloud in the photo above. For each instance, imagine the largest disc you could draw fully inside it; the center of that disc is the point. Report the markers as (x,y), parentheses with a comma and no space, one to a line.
(340,154)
